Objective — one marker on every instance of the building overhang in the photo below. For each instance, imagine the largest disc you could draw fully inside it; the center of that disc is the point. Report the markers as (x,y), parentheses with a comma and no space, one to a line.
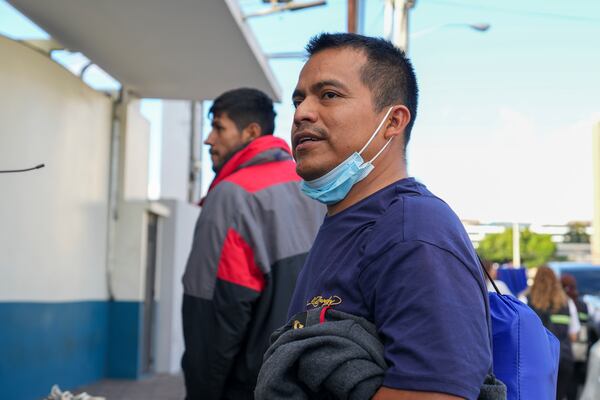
(181,49)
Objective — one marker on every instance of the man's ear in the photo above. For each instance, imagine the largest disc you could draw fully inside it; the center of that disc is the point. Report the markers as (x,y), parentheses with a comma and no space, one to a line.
(398,120)
(251,132)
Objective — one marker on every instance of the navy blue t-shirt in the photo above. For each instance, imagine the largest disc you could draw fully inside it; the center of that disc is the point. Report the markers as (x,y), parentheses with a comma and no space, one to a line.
(402,259)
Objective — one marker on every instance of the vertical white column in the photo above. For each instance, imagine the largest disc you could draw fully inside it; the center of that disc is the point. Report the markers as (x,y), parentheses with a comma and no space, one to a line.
(596,223)
(400,37)
(395,21)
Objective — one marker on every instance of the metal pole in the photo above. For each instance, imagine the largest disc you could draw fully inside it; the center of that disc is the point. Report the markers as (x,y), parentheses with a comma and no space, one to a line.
(191,172)
(396,22)
(116,188)
(195,174)
(516,245)
(400,38)
(596,223)
(352,16)
(200,154)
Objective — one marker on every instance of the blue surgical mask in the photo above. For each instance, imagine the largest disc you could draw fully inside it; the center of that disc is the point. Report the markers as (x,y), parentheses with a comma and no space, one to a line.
(334,186)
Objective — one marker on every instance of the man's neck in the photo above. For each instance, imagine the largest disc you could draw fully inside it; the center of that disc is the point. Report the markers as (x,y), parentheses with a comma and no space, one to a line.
(379,178)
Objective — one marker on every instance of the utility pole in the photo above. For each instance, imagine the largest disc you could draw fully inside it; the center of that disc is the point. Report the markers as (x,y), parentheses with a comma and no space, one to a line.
(596,223)
(516,245)
(395,22)
(352,19)
(356,16)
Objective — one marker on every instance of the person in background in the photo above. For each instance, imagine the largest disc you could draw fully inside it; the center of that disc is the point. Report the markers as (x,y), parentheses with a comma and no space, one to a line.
(582,344)
(548,299)
(247,249)
(492,270)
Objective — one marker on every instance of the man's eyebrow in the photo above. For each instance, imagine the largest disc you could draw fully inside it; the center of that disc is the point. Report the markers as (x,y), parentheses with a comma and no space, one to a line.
(328,82)
(298,93)
(315,87)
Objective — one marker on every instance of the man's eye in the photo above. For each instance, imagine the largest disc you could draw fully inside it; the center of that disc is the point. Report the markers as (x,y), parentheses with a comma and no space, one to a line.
(296,102)
(329,95)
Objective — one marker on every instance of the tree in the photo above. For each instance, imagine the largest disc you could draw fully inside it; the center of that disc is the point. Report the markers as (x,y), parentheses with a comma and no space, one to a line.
(536,249)
(577,233)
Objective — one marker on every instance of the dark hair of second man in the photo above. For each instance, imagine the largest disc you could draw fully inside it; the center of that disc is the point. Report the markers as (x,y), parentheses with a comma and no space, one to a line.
(245,106)
(387,73)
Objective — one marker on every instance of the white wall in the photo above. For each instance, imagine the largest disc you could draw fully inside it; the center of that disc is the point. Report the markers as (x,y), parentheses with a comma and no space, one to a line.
(53,221)
(137,150)
(177,232)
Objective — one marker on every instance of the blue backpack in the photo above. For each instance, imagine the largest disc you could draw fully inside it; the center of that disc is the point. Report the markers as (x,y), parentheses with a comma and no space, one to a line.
(525,353)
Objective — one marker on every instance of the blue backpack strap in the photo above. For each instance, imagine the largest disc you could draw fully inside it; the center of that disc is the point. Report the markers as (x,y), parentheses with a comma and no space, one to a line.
(492,388)
(487,311)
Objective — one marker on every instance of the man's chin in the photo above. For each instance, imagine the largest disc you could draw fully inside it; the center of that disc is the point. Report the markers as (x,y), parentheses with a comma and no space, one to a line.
(308,174)
(216,166)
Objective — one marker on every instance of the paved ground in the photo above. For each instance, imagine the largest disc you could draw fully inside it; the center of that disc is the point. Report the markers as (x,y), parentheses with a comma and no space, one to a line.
(157,387)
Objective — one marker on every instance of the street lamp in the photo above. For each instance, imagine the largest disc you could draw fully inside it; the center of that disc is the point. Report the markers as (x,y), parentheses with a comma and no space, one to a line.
(396,20)
(480,27)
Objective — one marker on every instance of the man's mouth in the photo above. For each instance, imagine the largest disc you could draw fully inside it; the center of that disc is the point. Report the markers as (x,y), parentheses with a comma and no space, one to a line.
(305,138)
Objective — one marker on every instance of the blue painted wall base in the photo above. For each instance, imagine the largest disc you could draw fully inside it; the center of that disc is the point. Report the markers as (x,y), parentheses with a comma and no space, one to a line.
(70,344)
(125,339)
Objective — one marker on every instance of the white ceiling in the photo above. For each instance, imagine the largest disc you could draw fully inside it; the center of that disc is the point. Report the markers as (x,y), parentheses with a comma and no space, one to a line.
(174,49)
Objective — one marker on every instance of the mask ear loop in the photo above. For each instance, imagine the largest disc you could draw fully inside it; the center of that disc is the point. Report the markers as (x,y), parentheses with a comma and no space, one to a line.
(376,131)
(381,151)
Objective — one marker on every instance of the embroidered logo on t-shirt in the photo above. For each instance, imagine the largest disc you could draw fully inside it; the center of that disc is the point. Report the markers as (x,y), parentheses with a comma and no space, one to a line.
(319,301)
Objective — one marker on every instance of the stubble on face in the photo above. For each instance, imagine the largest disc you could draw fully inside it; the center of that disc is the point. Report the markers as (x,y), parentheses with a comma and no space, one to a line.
(224,140)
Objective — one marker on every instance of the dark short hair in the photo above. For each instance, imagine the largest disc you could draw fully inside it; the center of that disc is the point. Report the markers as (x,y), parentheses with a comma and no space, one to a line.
(388,73)
(245,106)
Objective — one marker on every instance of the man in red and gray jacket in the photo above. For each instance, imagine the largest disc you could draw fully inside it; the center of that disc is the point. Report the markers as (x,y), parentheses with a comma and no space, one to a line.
(250,242)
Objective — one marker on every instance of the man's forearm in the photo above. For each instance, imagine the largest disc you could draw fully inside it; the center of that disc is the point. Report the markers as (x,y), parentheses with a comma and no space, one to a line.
(385,393)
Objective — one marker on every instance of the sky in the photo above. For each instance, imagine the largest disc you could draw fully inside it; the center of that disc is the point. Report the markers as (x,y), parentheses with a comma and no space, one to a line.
(504,125)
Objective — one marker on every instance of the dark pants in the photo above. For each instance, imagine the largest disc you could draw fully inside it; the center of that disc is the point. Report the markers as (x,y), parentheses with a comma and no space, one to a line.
(565,377)
(577,380)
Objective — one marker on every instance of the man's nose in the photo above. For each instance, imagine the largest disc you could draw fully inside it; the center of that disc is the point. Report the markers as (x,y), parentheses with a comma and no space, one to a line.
(209,139)
(306,111)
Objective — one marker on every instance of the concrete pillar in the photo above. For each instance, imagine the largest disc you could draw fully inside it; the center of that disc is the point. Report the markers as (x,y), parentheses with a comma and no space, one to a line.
(596,223)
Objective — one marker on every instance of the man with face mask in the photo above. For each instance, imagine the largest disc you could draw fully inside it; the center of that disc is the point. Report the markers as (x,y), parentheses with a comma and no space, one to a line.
(389,250)
(247,249)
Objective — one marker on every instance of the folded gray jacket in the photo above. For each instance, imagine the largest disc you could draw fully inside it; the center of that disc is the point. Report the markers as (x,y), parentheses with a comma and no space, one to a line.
(340,358)
(328,354)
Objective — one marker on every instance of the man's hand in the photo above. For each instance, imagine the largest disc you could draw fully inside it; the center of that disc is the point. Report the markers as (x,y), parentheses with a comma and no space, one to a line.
(385,393)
